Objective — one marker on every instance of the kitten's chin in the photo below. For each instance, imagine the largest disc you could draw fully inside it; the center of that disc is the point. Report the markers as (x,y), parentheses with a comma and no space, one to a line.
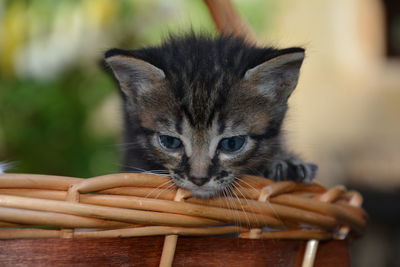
(197,191)
(204,193)
(208,190)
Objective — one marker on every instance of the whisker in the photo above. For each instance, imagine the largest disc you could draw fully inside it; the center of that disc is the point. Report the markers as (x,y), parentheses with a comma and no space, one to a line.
(169,188)
(127,145)
(132,167)
(140,170)
(226,199)
(161,170)
(269,204)
(254,209)
(234,211)
(241,206)
(158,173)
(243,181)
(238,186)
(159,186)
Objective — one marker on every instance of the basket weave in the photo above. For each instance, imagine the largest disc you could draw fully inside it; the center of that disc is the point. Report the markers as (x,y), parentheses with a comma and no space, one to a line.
(137,204)
(133,204)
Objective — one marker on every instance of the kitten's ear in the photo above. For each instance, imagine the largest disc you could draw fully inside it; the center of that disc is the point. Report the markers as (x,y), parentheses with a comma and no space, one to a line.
(135,76)
(277,77)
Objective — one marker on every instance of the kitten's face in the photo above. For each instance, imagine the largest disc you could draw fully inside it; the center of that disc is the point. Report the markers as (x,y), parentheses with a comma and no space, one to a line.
(201,112)
(201,160)
(206,157)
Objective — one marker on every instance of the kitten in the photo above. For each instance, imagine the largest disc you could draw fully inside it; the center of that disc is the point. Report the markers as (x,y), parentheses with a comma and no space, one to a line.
(208,109)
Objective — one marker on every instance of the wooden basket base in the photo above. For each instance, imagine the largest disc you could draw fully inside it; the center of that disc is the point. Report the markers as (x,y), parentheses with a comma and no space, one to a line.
(146,251)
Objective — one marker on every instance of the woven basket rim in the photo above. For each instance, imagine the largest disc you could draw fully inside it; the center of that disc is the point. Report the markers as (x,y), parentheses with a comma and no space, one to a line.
(140,204)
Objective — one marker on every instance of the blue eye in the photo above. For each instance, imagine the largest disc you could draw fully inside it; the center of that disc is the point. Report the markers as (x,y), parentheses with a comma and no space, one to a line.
(169,142)
(232,144)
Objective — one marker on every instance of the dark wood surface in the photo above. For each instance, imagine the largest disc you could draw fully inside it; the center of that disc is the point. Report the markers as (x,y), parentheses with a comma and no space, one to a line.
(146,251)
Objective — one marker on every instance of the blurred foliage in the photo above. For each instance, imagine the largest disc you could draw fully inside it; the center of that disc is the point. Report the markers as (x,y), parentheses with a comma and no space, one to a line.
(52,85)
(45,129)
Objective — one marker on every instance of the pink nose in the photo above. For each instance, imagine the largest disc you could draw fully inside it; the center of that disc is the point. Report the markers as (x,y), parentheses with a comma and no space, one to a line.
(199,181)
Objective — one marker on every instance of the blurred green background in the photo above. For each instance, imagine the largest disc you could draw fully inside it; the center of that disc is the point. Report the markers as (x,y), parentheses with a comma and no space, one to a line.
(58,107)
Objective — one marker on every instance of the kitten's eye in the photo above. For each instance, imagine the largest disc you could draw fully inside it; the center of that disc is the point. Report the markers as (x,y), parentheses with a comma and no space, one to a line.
(232,144)
(169,142)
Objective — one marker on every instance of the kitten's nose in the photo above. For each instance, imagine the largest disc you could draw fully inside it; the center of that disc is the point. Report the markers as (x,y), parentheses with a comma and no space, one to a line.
(199,180)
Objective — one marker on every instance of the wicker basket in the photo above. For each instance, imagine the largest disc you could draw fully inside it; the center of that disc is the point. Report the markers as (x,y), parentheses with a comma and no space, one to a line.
(133,204)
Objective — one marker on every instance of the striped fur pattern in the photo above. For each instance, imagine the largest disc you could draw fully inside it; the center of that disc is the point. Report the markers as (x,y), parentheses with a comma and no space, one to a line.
(205,94)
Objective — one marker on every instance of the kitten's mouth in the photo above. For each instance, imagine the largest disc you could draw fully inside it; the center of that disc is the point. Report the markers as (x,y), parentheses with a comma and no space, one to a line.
(211,188)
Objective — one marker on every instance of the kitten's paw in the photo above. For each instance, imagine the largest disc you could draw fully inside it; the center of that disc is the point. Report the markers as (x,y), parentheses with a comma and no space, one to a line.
(293,170)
